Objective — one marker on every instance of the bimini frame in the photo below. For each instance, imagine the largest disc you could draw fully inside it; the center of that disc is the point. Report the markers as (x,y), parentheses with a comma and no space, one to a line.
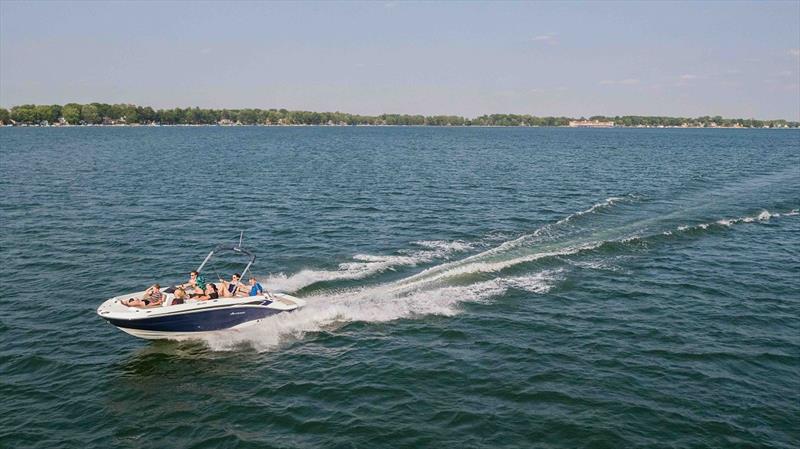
(236,249)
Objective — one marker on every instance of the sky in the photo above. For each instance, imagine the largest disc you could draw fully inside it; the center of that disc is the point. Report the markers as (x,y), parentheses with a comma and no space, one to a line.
(735,59)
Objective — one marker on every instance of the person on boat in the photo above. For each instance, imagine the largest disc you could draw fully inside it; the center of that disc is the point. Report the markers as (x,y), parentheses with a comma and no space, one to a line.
(196,284)
(152,298)
(233,287)
(180,296)
(210,293)
(255,288)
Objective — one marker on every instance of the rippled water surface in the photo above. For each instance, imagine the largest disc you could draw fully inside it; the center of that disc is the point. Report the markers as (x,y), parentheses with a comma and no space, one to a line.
(478,288)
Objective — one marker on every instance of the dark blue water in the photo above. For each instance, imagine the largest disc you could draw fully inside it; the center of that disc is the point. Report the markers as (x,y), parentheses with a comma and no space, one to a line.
(478,288)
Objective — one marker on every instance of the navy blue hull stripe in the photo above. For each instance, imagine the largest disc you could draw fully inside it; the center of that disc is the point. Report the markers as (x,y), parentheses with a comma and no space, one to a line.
(207,320)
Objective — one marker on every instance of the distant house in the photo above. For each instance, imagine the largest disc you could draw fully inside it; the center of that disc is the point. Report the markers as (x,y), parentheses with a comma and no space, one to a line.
(225,122)
(590,124)
(108,121)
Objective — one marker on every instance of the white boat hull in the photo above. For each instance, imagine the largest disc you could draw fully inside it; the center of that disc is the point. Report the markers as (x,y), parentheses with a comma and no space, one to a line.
(194,319)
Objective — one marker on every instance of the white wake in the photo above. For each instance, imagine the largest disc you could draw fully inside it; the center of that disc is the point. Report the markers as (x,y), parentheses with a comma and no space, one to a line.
(438,290)
(365,265)
(434,291)
(374,304)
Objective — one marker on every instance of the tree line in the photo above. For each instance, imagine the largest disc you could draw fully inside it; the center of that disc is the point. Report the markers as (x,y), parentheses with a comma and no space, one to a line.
(101,113)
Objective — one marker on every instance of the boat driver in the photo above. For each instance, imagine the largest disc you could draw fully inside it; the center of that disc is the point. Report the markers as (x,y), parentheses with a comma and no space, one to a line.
(196,284)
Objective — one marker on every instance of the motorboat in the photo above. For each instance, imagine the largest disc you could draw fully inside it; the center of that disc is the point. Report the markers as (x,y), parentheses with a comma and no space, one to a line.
(194,318)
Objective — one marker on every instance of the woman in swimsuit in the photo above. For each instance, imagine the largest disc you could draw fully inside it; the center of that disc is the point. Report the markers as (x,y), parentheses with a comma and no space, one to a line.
(233,288)
(210,293)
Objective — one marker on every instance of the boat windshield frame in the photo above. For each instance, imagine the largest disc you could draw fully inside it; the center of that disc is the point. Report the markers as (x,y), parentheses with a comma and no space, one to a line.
(231,248)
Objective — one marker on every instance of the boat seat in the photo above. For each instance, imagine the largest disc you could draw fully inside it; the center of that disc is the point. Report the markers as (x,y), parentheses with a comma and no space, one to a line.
(167,300)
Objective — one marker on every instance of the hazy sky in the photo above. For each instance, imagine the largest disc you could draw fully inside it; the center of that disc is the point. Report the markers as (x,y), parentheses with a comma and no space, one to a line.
(736,59)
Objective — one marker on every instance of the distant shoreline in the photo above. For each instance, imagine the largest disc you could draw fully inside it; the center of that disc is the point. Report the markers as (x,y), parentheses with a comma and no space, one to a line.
(101,114)
(385,126)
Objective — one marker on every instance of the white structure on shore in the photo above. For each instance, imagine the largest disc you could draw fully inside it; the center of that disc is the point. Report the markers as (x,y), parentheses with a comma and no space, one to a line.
(590,124)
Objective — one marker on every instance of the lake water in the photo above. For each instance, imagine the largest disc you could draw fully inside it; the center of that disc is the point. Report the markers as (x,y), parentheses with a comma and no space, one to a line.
(479,288)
